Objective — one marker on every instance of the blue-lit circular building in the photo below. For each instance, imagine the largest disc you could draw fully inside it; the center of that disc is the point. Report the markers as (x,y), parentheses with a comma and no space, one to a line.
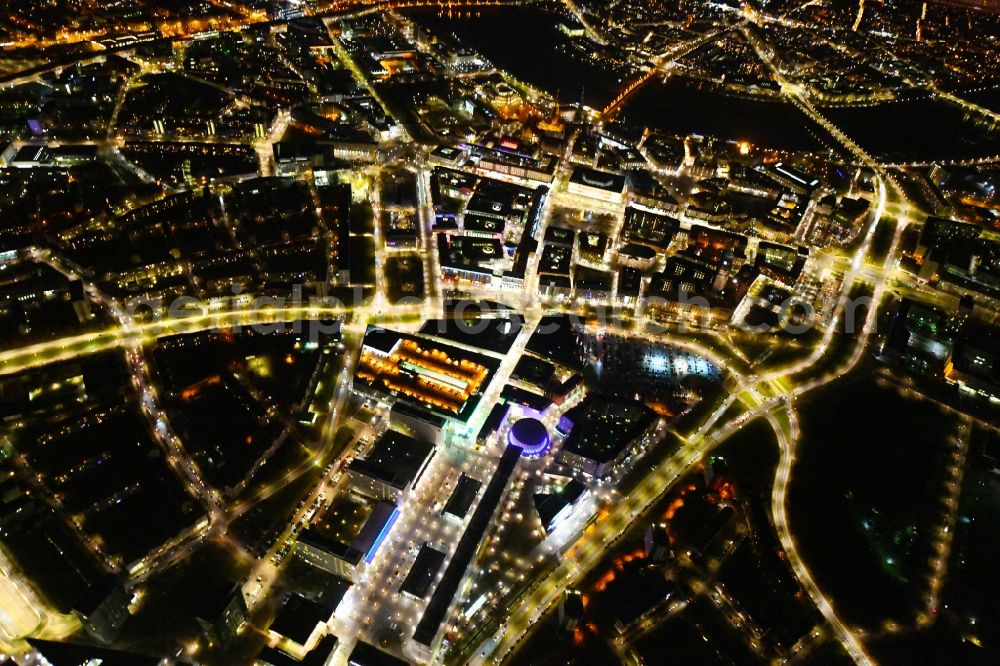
(531,435)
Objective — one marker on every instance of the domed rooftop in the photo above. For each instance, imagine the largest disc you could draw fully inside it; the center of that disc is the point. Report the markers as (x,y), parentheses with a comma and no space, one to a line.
(530,434)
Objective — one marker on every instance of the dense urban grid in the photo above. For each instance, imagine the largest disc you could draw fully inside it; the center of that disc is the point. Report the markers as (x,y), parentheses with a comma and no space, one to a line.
(499,331)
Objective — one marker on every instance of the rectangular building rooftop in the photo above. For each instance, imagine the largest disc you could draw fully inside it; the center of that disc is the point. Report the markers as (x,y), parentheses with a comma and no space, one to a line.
(426,373)
(463,497)
(396,459)
(425,568)
(601,180)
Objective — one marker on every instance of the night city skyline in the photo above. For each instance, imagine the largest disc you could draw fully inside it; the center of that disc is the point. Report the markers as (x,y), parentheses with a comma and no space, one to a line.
(479,332)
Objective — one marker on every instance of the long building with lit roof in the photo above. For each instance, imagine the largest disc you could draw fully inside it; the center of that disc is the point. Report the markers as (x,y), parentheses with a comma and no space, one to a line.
(440,378)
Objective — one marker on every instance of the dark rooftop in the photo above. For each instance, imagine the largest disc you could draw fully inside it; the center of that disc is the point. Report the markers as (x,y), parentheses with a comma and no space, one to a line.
(364,654)
(418,582)
(603,180)
(298,618)
(550,505)
(342,550)
(396,458)
(463,496)
(602,428)
(493,421)
(555,339)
